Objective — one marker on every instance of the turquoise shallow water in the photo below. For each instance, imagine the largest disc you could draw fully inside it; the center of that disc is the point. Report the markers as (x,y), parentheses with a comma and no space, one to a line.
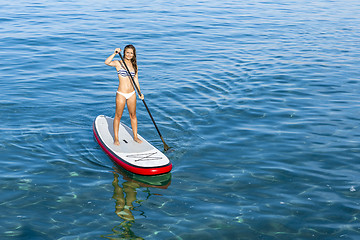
(259,101)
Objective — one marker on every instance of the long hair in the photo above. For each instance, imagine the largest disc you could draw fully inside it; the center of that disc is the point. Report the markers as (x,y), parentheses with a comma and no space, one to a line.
(133,60)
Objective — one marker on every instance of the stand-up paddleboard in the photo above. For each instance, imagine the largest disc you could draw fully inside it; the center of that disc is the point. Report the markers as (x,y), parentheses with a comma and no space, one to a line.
(139,158)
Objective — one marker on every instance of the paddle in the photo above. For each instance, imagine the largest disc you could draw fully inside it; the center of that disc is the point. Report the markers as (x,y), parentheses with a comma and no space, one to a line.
(166,147)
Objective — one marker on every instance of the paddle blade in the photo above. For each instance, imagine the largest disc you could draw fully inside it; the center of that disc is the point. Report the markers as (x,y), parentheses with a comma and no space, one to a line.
(166,147)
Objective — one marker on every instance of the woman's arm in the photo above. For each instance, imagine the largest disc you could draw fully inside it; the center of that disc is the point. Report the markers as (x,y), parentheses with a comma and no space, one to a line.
(136,79)
(109,61)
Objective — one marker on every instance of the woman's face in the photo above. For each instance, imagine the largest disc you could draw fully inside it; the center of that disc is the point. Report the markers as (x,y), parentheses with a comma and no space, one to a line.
(129,53)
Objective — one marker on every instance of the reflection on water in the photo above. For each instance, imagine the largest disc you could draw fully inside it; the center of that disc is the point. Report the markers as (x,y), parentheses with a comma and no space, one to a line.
(125,197)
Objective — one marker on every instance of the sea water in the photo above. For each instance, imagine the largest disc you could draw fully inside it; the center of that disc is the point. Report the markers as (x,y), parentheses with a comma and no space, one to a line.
(259,100)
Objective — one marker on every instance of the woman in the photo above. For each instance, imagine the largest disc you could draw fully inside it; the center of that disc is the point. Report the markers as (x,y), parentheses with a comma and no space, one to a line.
(125,92)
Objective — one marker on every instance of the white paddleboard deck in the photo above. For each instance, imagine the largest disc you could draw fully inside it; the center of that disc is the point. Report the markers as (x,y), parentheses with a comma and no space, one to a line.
(140,158)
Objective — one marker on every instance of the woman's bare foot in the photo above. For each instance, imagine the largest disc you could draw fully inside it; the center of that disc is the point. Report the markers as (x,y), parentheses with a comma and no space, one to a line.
(117,143)
(137,140)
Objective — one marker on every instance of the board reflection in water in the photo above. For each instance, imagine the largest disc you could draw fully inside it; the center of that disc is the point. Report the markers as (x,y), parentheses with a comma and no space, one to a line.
(125,195)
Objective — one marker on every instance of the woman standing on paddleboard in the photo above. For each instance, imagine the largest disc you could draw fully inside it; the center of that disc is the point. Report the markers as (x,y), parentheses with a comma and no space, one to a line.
(125,93)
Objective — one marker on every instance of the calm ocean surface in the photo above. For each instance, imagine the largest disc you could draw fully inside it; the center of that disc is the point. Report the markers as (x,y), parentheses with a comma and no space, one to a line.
(259,100)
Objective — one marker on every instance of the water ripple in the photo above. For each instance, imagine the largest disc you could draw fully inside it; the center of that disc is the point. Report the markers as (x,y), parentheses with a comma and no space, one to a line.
(259,102)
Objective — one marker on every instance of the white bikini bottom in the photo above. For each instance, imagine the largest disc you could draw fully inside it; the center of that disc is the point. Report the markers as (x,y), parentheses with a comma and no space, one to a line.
(126,95)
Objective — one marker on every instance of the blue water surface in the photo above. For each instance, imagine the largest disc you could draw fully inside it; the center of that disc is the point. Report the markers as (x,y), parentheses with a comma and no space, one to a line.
(259,101)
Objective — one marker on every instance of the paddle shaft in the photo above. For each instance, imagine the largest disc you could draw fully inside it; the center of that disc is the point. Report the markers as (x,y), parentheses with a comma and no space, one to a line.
(166,147)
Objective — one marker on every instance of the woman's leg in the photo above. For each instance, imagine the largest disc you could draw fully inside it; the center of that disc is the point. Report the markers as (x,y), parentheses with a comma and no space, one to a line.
(131,104)
(120,105)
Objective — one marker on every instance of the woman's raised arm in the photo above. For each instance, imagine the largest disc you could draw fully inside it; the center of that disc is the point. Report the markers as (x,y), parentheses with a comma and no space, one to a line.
(109,61)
